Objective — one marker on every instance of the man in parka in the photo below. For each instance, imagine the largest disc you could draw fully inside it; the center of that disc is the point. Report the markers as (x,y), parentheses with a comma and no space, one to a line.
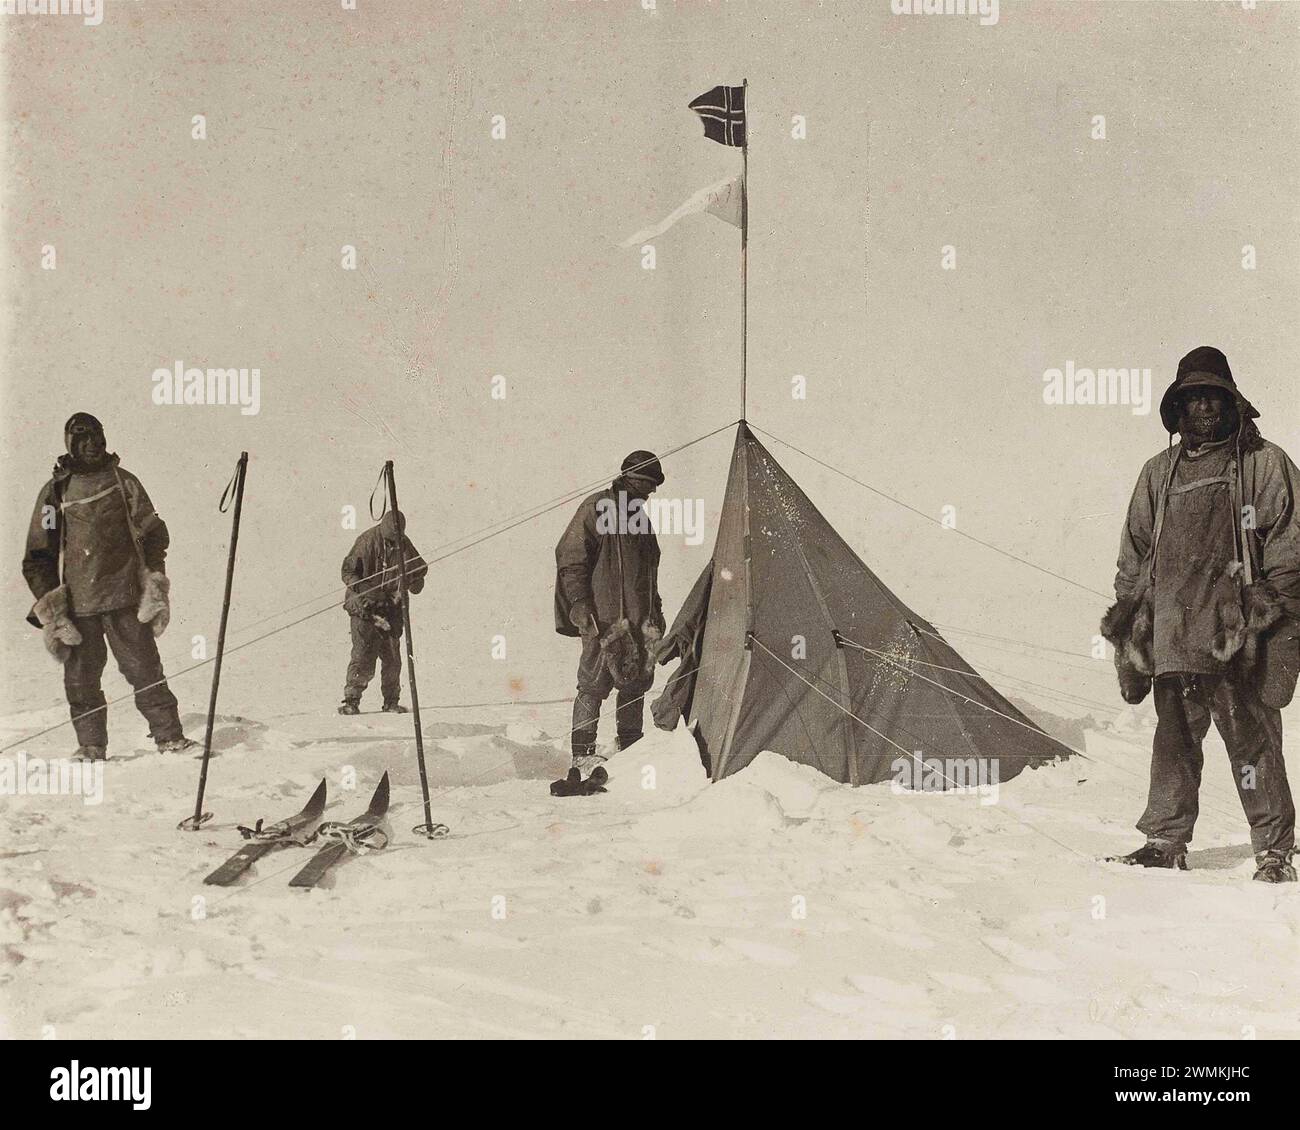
(96,551)
(1209,591)
(607,592)
(370,571)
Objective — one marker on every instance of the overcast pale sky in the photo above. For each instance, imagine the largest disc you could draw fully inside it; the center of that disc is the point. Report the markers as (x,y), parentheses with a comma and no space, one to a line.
(481,256)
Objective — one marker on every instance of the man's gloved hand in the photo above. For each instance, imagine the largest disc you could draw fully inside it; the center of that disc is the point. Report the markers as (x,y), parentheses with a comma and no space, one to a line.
(582,618)
(382,623)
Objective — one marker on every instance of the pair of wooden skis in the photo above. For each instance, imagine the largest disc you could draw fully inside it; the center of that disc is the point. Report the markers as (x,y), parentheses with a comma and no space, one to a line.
(360,834)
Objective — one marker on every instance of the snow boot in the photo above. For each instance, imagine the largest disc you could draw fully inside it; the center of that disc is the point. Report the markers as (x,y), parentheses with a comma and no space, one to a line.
(586,760)
(1155,853)
(586,775)
(177,745)
(349,707)
(91,753)
(395,708)
(1274,867)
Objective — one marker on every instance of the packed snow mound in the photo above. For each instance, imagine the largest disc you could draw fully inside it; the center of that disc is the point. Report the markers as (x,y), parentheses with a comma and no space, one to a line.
(661,769)
(768,795)
(487,758)
(776,902)
(796,789)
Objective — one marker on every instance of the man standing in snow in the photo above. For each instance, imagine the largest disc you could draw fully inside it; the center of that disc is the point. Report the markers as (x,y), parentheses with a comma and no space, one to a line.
(370,571)
(607,592)
(1208,597)
(95,564)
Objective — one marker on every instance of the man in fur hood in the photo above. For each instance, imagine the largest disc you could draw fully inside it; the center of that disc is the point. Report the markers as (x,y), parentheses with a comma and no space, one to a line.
(95,558)
(1208,593)
(607,592)
(370,571)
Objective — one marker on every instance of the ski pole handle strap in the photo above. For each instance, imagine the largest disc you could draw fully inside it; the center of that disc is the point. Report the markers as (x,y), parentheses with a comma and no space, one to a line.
(228,494)
(384,510)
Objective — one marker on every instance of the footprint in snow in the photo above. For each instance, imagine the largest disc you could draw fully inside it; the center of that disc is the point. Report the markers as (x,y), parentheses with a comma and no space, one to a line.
(885,990)
(1022,956)
(838,1003)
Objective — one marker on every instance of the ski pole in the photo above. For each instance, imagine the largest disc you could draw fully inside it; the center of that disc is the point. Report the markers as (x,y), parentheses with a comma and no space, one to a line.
(199,818)
(428,829)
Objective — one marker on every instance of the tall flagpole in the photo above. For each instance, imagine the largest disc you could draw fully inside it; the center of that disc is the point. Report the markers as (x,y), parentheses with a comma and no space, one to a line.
(744,253)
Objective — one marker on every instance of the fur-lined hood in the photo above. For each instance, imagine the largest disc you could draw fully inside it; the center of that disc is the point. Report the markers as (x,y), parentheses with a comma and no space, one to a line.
(1204,367)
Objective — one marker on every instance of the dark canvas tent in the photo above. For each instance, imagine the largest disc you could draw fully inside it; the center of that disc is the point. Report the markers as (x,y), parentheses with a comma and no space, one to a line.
(791,644)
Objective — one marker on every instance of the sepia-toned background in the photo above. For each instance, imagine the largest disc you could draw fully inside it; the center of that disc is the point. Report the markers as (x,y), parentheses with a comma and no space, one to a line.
(480,256)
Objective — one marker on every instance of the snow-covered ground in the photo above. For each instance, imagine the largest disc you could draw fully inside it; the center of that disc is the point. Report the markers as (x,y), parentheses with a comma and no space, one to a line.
(775,903)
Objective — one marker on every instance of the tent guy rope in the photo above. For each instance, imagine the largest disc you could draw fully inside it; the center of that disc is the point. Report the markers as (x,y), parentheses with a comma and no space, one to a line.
(930,518)
(334,593)
(911,756)
(502,526)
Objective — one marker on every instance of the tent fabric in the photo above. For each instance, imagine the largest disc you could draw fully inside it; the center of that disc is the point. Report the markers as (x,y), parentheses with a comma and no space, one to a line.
(781,572)
(684,640)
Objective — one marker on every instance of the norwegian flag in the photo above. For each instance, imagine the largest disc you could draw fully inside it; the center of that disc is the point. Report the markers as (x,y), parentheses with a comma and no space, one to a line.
(722,110)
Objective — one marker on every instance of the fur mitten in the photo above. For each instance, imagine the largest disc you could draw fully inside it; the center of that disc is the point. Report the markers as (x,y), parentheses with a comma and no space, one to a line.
(1249,637)
(60,633)
(651,634)
(1263,611)
(155,607)
(622,655)
(1229,621)
(1129,627)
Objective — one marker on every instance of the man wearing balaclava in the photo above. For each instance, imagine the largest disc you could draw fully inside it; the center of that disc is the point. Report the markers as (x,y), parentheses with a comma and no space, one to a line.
(370,571)
(1208,598)
(95,559)
(607,593)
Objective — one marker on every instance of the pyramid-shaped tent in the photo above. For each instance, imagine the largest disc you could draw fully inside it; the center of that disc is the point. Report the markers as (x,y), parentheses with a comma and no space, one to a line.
(791,644)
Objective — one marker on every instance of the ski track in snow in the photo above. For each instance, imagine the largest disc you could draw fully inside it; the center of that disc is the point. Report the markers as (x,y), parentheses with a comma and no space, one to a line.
(776,903)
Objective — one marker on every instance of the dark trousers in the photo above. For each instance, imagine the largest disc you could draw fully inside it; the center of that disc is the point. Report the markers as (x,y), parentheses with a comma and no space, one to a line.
(137,658)
(1252,733)
(370,643)
(594,684)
